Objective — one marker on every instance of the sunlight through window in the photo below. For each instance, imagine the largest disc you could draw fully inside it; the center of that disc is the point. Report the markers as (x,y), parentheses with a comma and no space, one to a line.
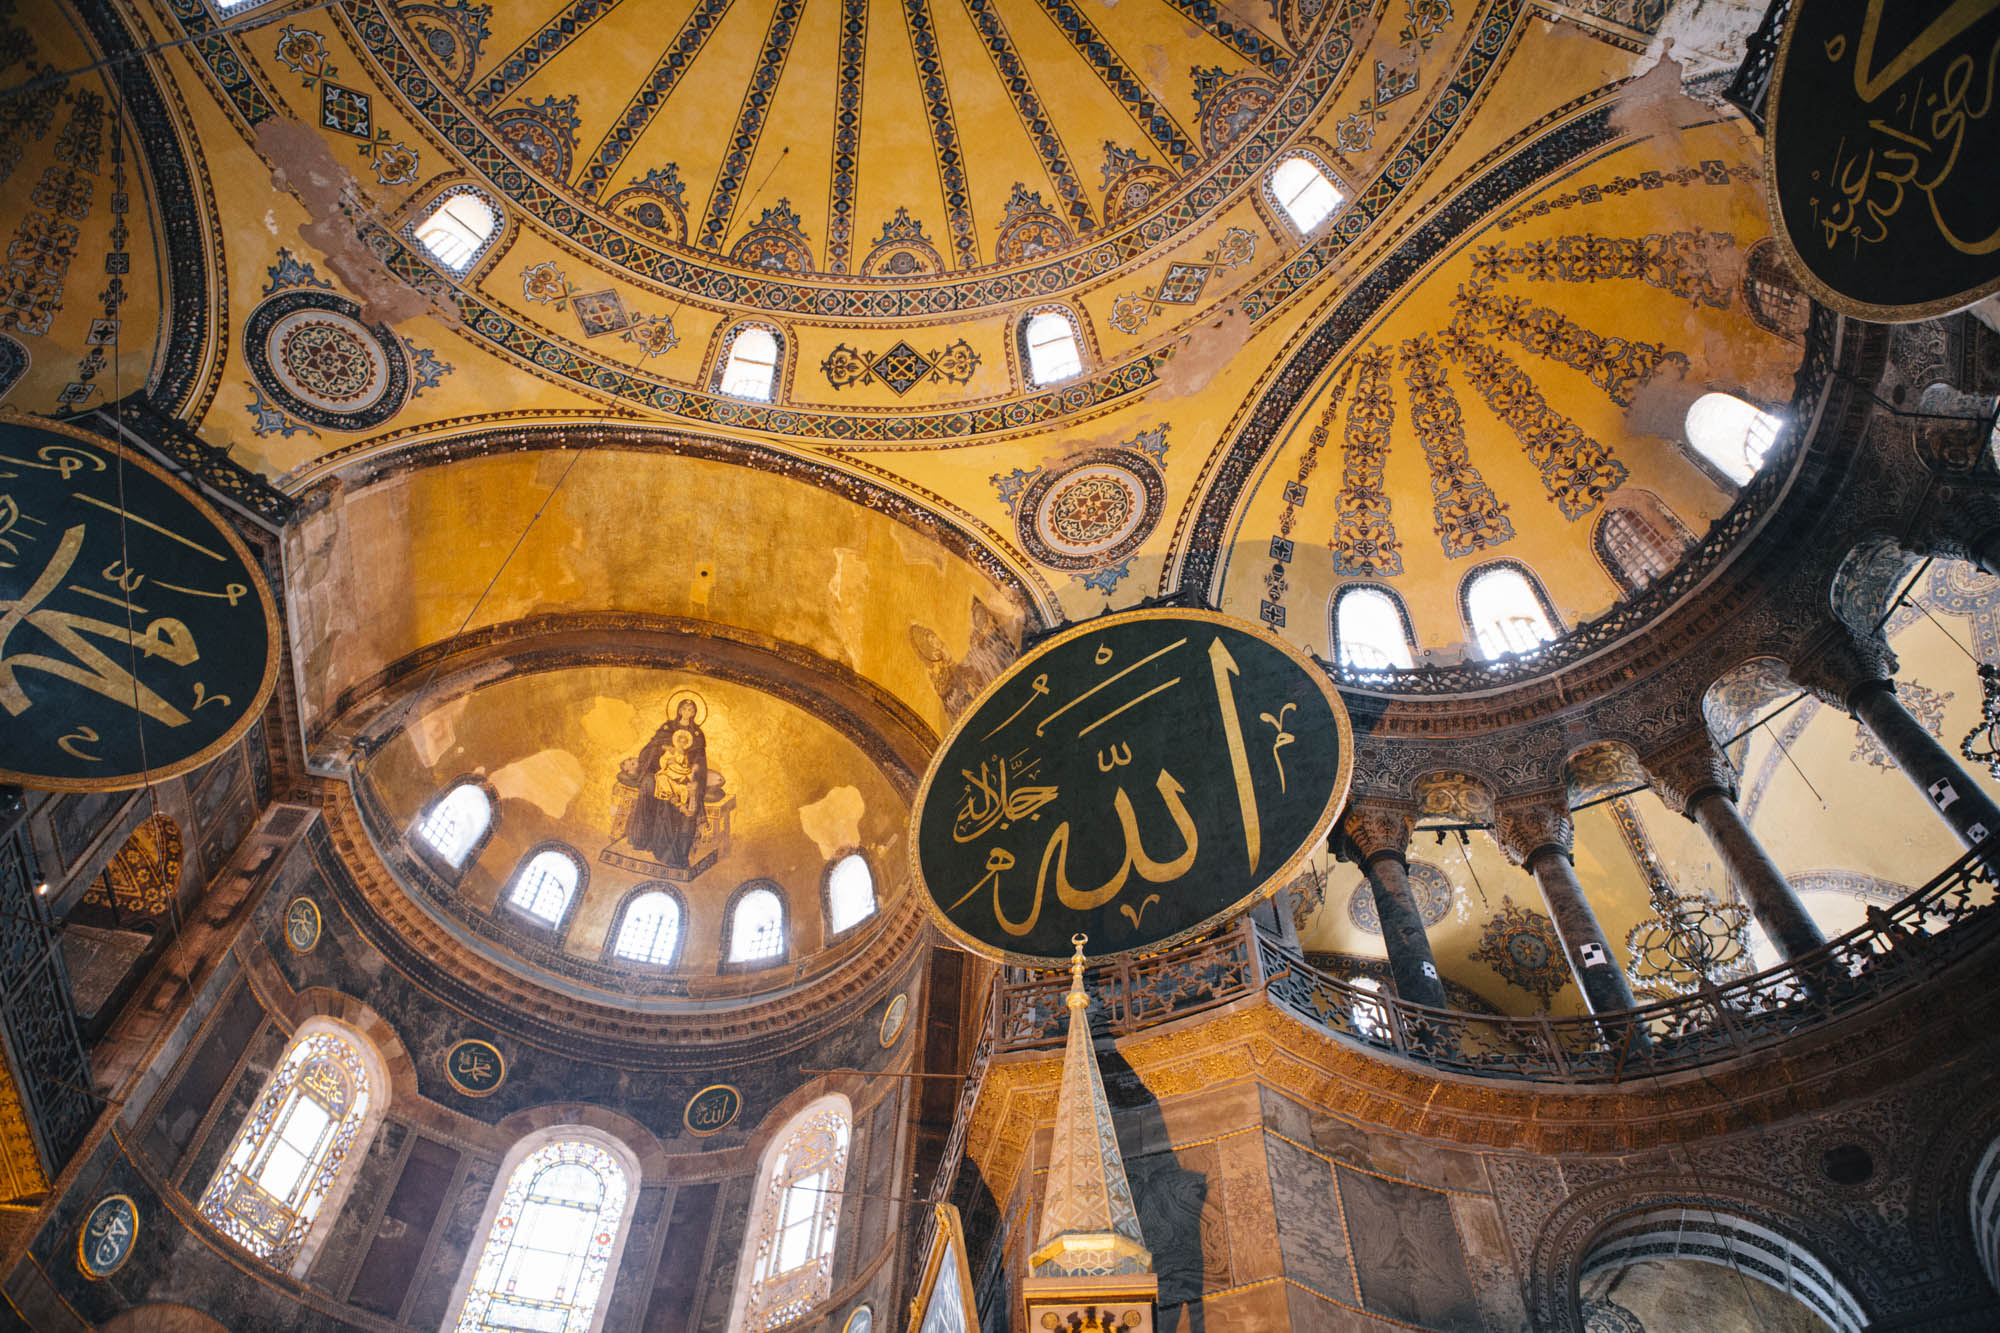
(1506,615)
(850,893)
(1731,434)
(546,1257)
(1052,351)
(544,886)
(752,369)
(1304,192)
(651,929)
(1368,631)
(455,824)
(458,230)
(757,927)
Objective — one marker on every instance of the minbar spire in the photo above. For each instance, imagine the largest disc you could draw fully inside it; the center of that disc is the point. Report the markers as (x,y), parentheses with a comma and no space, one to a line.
(1090,1268)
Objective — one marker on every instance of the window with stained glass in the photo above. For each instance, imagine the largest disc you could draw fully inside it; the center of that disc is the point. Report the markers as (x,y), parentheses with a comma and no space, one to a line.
(551,1244)
(299,1135)
(850,893)
(792,1267)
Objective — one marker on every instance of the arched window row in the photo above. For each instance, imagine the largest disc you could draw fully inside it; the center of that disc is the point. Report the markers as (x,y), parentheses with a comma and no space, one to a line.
(1505,610)
(456,823)
(1371,629)
(1305,191)
(460,227)
(1639,540)
(1731,434)
(547,884)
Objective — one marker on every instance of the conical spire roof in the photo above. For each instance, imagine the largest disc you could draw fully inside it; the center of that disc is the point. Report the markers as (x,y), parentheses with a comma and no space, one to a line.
(1089,1225)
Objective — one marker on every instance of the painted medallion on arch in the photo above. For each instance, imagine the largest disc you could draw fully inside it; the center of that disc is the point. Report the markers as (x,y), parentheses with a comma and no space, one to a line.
(1428,885)
(649,775)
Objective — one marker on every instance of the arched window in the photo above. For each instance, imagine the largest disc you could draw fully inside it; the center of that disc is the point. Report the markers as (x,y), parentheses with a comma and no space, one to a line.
(1636,551)
(551,1242)
(1304,192)
(304,1129)
(545,885)
(454,825)
(1049,337)
(751,368)
(1731,434)
(850,893)
(1368,630)
(651,930)
(795,1218)
(458,229)
(1506,612)
(757,927)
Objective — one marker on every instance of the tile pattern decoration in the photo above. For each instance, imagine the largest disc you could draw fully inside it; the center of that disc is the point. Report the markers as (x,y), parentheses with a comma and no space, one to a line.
(101,341)
(1690,264)
(758,95)
(1028,228)
(537,48)
(1364,535)
(1184,281)
(1521,945)
(1271,610)
(1428,885)
(902,250)
(847,100)
(1619,366)
(1090,511)
(1245,39)
(902,367)
(1468,516)
(45,242)
(26,118)
(1925,704)
(1695,173)
(598,313)
(1124,84)
(943,124)
(1577,470)
(1423,20)
(1028,105)
(777,242)
(646,102)
(1229,105)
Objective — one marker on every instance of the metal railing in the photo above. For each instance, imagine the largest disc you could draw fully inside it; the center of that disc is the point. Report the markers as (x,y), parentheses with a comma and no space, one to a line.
(1750,89)
(1892,950)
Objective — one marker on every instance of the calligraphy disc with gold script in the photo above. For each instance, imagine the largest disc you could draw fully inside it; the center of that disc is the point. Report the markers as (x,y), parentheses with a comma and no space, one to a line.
(1882,127)
(712,1110)
(138,638)
(107,1237)
(302,925)
(476,1068)
(1137,779)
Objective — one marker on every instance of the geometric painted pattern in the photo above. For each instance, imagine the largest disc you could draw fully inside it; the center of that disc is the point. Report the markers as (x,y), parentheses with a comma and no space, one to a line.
(1428,886)
(1521,945)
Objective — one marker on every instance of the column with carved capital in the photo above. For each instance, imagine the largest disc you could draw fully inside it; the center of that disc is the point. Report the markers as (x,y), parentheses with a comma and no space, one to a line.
(1536,833)
(1379,838)
(1694,778)
(1858,675)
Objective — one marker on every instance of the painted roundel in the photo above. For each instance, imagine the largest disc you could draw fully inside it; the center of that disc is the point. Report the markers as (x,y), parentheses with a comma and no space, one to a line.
(1091,509)
(1428,886)
(312,354)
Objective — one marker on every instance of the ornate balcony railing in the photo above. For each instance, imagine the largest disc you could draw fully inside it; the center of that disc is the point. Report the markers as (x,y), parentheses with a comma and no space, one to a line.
(1750,88)
(1892,950)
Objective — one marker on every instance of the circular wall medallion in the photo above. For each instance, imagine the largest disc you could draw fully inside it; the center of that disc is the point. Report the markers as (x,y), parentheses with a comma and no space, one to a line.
(313,355)
(476,1068)
(1091,510)
(712,1110)
(892,1019)
(1428,886)
(107,1237)
(861,1321)
(302,924)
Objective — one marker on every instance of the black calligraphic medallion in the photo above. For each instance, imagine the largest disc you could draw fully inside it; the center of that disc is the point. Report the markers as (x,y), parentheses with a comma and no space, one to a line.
(138,638)
(476,1068)
(712,1110)
(1138,780)
(302,924)
(1882,128)
(892,1020)
(108,1234)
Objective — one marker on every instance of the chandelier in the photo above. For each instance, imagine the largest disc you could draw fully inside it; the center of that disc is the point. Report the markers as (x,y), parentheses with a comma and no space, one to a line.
(1982,744)
(1688,940)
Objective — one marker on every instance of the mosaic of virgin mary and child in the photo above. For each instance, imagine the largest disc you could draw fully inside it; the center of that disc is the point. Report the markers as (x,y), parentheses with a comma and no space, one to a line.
(677,818)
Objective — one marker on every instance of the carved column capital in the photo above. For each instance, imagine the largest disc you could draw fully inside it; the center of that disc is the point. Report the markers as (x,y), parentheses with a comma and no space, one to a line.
(1375,829)
(1687,769)
(1836,662)
(1526,825)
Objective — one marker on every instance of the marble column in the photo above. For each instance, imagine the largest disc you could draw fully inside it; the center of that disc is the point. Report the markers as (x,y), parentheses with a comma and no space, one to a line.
(1693,778)
(1536,834)
(1858,674)
(1380,839)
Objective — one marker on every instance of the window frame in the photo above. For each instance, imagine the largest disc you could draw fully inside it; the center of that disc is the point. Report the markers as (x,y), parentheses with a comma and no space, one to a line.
(762,1203)
(435,201)
(1465,586)
(1651,511)
(558,929)
(725,343)
(299,1260)
(1086,352)
(616,959)
(727,961)
(1268,190)
(838,859)
(1347,590)
(524,1148)
(434,860)
(1709,466)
